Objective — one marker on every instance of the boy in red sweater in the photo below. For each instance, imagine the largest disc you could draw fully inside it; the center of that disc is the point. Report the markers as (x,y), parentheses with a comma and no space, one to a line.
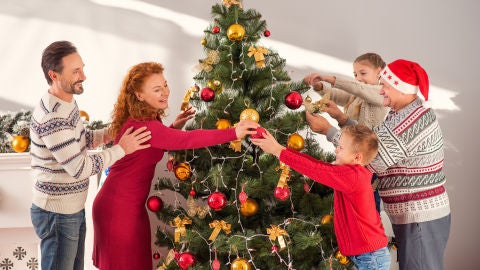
(358,228)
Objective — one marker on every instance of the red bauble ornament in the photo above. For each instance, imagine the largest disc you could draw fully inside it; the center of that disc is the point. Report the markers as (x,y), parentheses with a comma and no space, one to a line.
(207,94)
(192,192)
(154,203)
(259,134)
(266,33)
(282,193)
(217,200)
(216,264)
(242,197)
(185,260)
(216,29)
(274,249)
(293,100)
(156,255)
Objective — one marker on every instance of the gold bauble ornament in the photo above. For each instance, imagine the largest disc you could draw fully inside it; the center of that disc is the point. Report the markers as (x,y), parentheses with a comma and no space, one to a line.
(20,143)
(223,124)
(216,85)
(295,142)
(240,264)
(326,219)
(249,207)
(342,259)
(203,42)
(235,32)
(84,116)
(183,171)
(250,114)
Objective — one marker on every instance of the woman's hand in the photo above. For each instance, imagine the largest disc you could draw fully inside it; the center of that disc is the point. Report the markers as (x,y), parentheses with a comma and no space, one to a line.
(183,117)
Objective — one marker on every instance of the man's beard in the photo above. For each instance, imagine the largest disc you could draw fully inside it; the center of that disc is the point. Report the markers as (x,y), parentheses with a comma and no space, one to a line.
(71,88)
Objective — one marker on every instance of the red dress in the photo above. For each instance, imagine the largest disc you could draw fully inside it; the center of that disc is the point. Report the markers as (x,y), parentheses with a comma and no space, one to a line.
(122,238)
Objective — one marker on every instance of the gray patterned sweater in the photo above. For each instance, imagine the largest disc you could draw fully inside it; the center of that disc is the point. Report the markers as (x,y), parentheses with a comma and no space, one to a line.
(60,164)
(409,165)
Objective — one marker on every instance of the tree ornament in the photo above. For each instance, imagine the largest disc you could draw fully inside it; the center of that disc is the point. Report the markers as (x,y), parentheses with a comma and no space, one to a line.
(84,116)
(295,142)
(266,33)
(249,207)
(216,29)
(182,171)
(259,135)
(171,163)
(274,249)
(223,124)
(282,193)
(259,54)
(217,201)
(275,232)
(317,106)
(216,86)
(240,264)
(186,98)
(342,259)
(203,42)
(194,209)
(235,32)
(171,255)
(156,255)
(250,114)
(20,143)
(207,94)
(185,260)
(306,187)
(293,100)
(243,196)
(192,192)
(228,3)
(326,219)
(217,226)
(216,264)
(179,225)
(154,203)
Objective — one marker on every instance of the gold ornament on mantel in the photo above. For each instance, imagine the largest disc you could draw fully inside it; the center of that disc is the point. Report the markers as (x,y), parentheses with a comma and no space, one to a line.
(20,143)
(235,32)
(259,55)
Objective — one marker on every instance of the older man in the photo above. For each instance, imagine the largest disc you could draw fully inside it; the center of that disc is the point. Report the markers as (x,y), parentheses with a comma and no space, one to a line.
(409,165)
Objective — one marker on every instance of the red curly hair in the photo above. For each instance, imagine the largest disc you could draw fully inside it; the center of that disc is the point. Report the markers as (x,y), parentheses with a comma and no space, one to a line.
(127,105)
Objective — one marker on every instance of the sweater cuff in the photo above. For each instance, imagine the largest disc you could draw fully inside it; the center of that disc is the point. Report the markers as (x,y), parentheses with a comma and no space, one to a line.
(333,135)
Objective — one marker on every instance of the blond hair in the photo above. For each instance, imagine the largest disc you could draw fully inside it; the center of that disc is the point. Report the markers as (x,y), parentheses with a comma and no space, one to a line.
(364,141)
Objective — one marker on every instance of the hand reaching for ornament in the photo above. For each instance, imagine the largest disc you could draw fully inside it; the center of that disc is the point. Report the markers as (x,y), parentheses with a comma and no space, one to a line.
(332,109)
(268,143)
(317,123)
(245,127)
(132,141)
(183,117)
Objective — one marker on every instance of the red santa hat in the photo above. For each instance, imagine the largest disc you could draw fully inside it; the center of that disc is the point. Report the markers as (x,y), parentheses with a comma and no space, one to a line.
(407,77)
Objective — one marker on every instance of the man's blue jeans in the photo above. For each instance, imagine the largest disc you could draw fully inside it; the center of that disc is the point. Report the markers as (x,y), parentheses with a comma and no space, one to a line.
(380,259)
(62,237)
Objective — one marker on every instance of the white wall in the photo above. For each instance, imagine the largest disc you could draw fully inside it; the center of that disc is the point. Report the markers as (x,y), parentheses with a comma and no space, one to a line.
(312,35)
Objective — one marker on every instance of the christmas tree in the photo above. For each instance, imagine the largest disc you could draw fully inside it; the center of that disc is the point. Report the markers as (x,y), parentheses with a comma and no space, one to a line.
(15,132)
(244,209)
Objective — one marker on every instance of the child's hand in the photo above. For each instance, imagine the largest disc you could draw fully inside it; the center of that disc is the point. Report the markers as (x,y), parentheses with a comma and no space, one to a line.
(335,112)
(268,144)
(312,78)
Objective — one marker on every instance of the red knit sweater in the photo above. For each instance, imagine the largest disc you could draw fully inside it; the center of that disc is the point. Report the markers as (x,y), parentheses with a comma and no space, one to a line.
(357,224)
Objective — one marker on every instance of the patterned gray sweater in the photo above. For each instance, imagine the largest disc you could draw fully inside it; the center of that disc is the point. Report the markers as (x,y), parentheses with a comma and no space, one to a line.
(409,165)
(60,163)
